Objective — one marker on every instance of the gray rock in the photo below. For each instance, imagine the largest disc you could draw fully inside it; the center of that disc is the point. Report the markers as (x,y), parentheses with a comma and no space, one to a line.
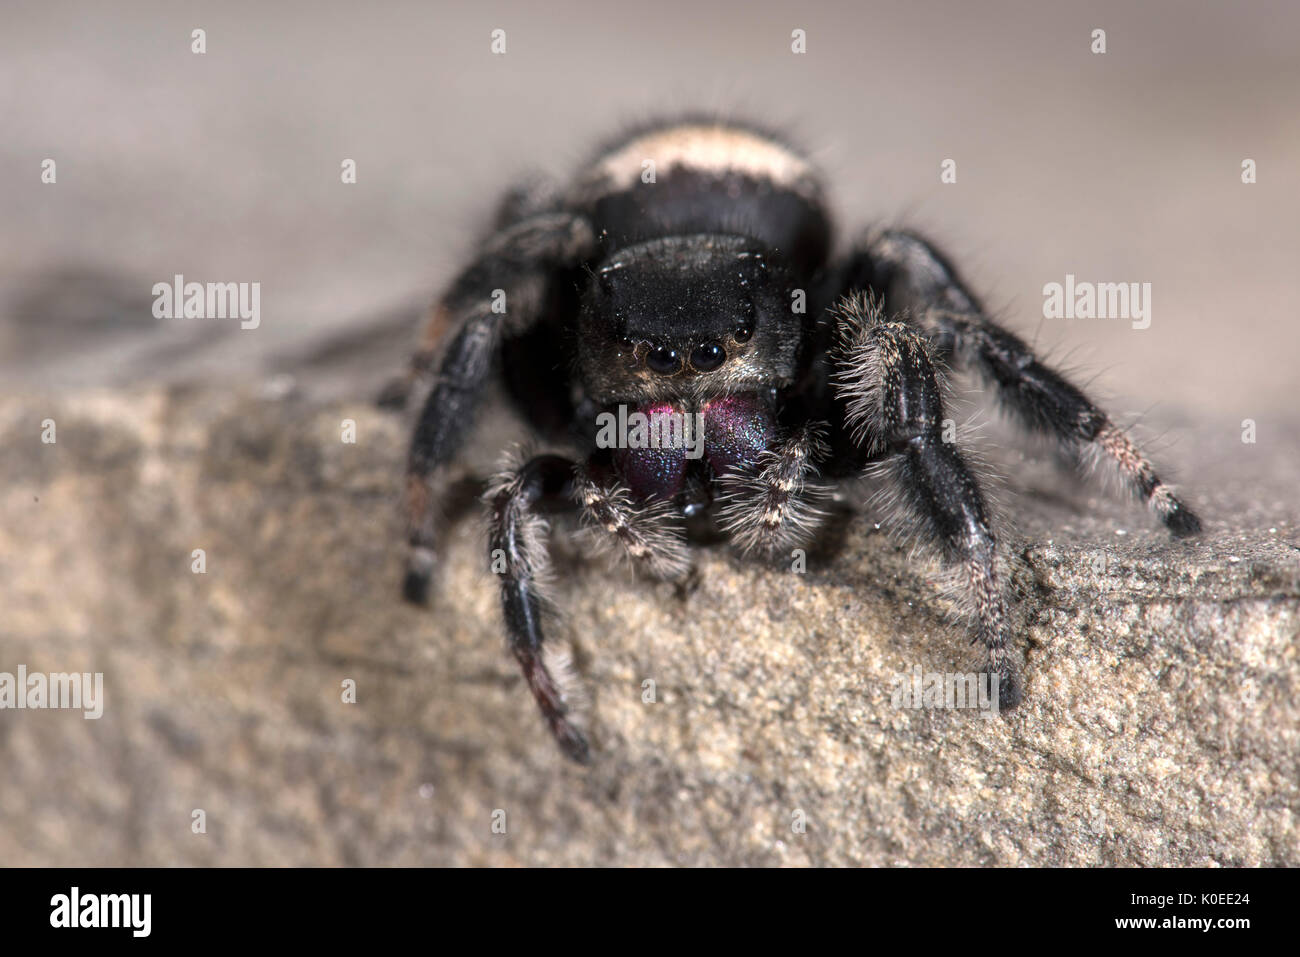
(1160,726)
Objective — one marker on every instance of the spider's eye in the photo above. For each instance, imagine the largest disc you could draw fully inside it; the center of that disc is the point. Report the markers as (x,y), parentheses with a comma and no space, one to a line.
(707,356)
(627,352)
(744,330)
(664,360)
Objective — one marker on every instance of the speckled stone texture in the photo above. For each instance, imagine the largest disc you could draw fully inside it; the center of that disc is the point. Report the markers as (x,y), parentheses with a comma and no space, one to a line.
(1160,726)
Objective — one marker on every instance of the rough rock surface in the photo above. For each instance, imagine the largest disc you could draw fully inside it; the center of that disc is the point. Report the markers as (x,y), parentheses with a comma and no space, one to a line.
(1160,728)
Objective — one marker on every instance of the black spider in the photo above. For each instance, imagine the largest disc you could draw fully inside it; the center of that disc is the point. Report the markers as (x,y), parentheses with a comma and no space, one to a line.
(687,270)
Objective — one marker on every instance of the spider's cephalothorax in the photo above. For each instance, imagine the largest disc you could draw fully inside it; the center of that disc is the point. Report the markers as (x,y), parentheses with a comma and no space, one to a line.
(684,279)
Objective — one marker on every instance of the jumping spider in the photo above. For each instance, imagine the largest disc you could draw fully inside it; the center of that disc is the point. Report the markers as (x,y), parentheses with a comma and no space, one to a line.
(676,292)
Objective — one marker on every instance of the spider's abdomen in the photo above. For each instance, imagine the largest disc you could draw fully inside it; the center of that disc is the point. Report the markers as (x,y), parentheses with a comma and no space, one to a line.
(698,177)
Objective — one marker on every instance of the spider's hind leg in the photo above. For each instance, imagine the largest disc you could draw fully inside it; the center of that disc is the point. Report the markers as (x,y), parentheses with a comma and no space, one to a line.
(894,406)
(915,277)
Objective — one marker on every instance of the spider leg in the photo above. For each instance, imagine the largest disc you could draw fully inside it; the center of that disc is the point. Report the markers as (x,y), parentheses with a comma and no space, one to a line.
(894,406)
(396,393)
(517,547)
(915,277)
(529,199)
(519,263)
(647,532)
(772,506)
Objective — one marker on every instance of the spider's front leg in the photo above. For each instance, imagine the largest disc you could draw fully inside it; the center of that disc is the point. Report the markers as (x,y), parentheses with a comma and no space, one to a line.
(505,290)
(914,277)
(517,500)
(518,552)
(894,406)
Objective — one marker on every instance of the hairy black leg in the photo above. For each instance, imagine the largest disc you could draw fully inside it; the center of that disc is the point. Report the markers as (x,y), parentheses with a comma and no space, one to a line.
(397,391)
(528,199)
(532,195)
(771,506)
(518,553)
(648,533)
(503,291)
(894,406)
(913,276)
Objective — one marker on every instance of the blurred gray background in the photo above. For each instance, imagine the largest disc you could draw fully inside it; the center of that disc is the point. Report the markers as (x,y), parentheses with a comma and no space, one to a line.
(225,167)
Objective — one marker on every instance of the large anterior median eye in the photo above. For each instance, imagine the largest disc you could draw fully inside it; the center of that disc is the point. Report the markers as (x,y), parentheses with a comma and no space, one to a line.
(664,360)
(707,356)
